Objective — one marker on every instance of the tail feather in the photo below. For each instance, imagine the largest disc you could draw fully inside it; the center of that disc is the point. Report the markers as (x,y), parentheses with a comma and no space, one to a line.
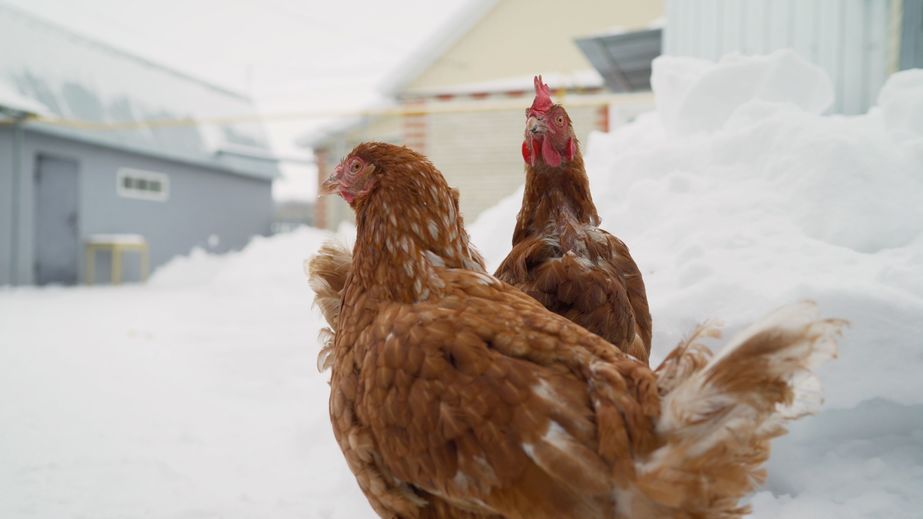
(688,357)
(717,417)
(327,272)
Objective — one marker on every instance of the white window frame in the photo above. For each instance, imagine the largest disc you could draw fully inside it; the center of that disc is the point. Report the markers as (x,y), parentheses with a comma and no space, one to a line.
(162,196)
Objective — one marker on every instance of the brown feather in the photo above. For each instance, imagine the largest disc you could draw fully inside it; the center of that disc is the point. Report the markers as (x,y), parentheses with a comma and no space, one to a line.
(327,272)
(562,259)
(454,394)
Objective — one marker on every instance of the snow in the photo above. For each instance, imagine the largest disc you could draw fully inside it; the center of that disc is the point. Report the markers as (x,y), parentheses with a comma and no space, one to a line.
(193,396)
(738,196)
(697,95)
(115,239)
(197,396)
(902,105)
(12,100)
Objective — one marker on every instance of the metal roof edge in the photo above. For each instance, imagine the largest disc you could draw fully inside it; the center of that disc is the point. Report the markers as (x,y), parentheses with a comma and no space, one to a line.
(66,134)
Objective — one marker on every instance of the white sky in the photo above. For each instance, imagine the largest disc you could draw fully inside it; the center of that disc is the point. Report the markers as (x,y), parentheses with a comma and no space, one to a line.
(289,55)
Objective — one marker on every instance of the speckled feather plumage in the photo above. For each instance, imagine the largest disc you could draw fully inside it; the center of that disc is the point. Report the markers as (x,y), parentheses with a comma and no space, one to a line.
(454,394)
(564,260)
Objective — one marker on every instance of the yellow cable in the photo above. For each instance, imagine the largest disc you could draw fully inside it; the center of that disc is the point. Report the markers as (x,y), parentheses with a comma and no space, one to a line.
(447,107)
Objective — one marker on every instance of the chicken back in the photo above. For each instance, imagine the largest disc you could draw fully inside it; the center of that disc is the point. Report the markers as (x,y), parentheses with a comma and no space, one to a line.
(560,256)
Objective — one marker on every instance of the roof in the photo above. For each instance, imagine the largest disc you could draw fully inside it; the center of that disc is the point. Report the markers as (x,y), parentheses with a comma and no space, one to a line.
(59,74)
(17,105)
(512,38)
(623,59)
(440,42)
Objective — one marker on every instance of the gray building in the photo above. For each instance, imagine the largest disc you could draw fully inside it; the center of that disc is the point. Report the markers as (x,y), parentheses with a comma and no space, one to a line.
(96,141)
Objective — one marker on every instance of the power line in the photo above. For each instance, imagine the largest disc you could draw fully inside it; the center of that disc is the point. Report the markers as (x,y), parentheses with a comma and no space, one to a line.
(624,100)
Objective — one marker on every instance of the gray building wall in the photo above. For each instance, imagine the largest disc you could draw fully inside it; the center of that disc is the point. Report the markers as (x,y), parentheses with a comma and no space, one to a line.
(6,203)
(859,43)
(202,202)
(912,34)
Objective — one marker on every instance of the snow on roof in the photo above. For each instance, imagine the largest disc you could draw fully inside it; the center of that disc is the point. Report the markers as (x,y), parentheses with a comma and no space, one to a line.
(13,101)
(64,75)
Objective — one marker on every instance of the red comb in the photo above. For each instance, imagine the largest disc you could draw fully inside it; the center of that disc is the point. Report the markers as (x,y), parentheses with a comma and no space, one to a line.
(542,100)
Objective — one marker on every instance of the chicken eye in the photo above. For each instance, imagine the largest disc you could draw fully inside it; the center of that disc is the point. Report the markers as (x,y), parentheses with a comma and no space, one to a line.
(560,120)
(355,166)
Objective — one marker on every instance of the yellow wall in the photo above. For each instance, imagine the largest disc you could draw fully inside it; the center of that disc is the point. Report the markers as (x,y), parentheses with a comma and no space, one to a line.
(480,153)
(523,37)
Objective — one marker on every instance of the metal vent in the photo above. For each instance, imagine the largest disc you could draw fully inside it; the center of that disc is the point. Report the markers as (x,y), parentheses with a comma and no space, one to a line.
(623,60)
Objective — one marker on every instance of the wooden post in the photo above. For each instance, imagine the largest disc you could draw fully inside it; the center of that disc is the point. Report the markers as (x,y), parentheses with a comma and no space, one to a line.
(145,261)
(116,265)
(90,265)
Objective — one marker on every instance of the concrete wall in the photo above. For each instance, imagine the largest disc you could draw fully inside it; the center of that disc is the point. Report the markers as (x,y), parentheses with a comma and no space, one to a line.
(202,202)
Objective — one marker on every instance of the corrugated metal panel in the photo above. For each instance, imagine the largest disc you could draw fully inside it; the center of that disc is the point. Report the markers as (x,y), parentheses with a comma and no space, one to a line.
(911,55)
(847,38)
(623,60)
(878,18)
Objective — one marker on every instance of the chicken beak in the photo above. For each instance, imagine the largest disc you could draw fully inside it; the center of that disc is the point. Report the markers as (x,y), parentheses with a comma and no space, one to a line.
(331,186)
(535,127)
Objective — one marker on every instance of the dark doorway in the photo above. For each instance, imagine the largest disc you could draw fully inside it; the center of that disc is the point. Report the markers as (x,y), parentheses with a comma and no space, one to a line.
(57,183)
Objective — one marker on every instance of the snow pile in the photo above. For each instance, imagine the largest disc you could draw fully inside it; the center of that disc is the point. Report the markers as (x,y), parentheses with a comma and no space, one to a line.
(737,196)
(196,395)
(902,105)
(264,264)
(694,95)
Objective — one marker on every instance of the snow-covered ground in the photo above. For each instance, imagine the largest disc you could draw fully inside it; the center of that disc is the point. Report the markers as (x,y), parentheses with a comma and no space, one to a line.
(197,395)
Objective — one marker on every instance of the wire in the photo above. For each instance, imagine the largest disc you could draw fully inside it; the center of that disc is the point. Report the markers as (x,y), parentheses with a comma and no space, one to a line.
(623,100)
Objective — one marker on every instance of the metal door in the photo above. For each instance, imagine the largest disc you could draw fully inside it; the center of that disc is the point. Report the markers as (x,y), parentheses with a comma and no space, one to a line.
(56,220)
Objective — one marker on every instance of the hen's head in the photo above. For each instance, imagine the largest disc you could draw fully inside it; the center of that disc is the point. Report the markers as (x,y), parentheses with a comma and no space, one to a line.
(377,170)
(353,179)
(549,135)
(407,217)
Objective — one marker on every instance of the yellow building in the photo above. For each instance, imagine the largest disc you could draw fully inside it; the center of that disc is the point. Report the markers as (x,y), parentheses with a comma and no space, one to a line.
(461,98)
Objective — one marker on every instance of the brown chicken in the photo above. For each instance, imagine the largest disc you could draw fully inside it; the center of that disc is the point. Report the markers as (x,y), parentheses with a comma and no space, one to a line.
(560,256)
(454,394)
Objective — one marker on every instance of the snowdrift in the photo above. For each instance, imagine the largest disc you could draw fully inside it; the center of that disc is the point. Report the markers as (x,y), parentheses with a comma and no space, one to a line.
(739,195)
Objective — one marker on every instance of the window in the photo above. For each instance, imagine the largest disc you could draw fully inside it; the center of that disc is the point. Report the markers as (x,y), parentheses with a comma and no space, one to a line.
(144,185)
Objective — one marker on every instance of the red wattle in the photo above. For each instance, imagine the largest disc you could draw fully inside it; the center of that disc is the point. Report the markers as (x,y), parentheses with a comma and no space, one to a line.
(571,149)
(551,155)
(526,152)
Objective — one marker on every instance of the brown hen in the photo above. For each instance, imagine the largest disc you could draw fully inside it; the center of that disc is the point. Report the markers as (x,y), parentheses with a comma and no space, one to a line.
(560,256)
(454,394)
